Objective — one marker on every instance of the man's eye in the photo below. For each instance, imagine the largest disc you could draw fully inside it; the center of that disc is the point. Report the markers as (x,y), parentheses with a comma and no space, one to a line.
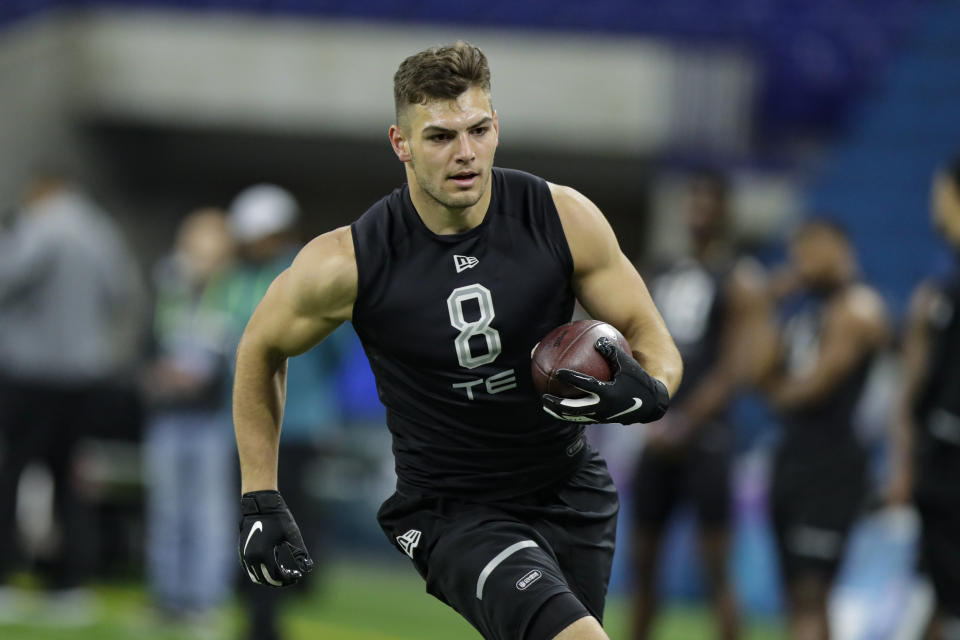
(439,137)
(480,130)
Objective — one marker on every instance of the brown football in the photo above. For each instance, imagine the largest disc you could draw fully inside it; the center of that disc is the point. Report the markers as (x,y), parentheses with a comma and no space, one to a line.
(571,346)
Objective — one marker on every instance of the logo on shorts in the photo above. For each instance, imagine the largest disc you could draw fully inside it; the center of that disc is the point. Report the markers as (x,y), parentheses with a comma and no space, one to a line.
(409,541)
(529,579)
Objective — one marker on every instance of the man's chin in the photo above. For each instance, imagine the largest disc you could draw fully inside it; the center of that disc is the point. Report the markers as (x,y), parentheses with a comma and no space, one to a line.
(463,199)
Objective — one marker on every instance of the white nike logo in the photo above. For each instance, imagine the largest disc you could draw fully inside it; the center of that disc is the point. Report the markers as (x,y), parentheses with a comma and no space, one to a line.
(268,577)
(637,403)
(257,526)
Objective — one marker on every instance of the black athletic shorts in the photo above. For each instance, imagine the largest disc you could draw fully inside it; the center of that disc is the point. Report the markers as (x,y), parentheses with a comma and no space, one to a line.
(814,502)
(939,510)
(700,476)
(499,563)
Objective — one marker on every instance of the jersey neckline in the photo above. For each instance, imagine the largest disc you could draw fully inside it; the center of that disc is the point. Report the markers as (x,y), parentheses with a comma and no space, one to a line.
(451,238)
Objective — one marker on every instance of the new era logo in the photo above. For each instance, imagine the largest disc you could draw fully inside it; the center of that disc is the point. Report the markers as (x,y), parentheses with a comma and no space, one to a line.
(409,541)
(464,262)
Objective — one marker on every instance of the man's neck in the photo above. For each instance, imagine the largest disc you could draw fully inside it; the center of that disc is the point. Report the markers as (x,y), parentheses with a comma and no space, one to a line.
(443,220)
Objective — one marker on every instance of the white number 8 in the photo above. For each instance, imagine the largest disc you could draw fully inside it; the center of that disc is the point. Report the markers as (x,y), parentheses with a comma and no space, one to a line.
(479,327)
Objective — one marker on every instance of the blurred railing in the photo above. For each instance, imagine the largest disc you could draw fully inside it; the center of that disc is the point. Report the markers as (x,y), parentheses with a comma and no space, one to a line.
(815,57)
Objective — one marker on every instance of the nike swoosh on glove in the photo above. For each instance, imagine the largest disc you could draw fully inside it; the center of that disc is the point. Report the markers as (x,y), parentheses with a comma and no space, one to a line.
(631,396)
(267,532)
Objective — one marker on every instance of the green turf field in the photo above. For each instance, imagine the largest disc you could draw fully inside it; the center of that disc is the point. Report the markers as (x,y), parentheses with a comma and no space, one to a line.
(356,602)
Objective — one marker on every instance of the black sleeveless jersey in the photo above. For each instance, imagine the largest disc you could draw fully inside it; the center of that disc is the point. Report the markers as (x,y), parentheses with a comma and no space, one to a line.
(937,408)
(690,298)
(448,323)
(825,428)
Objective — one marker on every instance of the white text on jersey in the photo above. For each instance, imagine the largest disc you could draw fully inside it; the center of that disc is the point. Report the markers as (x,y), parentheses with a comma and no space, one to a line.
(497,383)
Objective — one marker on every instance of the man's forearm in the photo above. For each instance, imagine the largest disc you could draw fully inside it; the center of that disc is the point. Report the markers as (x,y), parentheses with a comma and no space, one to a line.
(900,441)
(660,360)
(259,390)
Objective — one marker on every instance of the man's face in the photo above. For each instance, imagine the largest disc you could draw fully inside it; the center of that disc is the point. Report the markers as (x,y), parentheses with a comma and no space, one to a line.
(819,257)
(946,208)
(706,212)
(205,242)
(449,145)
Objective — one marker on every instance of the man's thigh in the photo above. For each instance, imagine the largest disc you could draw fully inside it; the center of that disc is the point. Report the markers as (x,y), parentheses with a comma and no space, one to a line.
(498,574)
(492,568)
(579,522)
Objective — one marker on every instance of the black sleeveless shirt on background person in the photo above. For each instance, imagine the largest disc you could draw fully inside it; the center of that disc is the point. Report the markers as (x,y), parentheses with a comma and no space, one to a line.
(448,323)
(937,408)
(824,430)
(690,297)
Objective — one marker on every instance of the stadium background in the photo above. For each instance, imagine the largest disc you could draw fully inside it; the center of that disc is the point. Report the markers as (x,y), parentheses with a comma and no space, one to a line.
(158,106)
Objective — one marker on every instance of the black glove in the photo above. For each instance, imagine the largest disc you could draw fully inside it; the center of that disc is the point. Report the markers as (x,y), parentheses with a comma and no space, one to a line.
(633,395)
(267,532)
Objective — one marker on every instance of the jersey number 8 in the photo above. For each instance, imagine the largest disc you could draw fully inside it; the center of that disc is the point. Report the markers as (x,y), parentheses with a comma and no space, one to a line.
(479,327)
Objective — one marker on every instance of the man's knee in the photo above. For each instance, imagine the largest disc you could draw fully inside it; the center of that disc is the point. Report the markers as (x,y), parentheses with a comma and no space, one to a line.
(583,629)
(560,616)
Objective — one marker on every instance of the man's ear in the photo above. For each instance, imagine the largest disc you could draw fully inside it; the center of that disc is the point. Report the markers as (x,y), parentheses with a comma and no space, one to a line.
(400,144)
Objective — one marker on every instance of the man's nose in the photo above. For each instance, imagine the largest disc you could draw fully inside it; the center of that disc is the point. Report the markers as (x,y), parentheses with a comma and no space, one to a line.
(465,151)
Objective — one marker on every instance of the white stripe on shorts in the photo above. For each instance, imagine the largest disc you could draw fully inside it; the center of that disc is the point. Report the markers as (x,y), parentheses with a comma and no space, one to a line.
(500,557)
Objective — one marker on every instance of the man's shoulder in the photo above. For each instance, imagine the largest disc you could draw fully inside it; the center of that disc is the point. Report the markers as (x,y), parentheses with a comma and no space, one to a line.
(863,301)
(517,175)
(515,183)
(860,311)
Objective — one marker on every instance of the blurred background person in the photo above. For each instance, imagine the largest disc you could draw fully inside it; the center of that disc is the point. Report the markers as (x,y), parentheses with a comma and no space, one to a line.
(263,219)
(819,482)
(712,302)
(926,444)
(188,452)
(70,309)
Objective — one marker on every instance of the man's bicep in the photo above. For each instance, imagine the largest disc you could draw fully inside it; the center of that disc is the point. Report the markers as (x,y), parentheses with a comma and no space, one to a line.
(749,339)
(617,294)
(281,325)
(849,337)
(609,287)
(309,300)
(604,280)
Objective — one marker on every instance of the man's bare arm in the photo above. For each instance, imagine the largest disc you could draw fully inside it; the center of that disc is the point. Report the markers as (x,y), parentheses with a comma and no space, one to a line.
(610,289)
(303,305)
(854,326)
(746,310)
(915,359)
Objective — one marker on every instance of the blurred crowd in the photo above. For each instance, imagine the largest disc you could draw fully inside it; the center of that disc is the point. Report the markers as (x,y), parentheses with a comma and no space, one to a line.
(90,348)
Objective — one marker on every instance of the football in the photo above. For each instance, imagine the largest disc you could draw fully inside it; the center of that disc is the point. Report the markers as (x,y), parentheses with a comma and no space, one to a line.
(571,346)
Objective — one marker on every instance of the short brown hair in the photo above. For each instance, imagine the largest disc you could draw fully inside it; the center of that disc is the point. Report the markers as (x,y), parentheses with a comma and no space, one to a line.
(440,73)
